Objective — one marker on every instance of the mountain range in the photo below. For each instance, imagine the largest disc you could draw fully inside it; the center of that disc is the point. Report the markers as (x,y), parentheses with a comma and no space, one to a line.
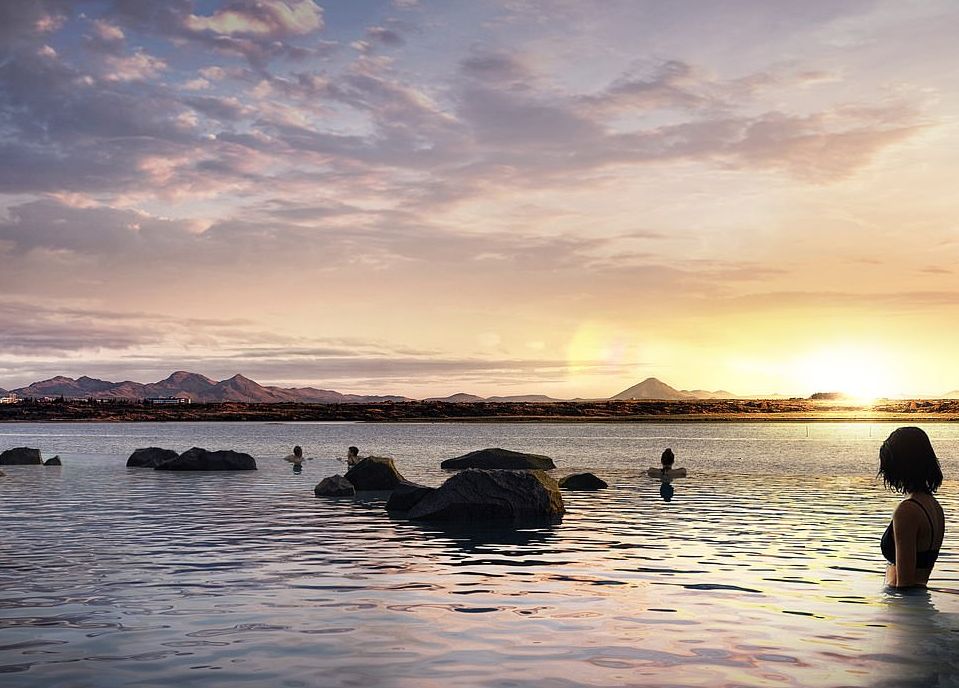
(192,386)
(201,389)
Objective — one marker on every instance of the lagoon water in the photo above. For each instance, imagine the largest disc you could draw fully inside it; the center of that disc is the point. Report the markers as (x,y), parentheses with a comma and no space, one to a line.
(763,569)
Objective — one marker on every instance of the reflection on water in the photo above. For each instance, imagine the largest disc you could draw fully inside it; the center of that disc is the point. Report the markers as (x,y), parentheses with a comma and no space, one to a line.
(666,490)
(113,576)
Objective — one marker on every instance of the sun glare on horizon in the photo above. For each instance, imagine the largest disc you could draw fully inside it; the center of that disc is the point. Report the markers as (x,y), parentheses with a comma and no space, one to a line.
(857,372)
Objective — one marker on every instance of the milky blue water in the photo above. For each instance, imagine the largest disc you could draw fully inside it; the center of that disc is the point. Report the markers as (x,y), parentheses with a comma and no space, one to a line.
(763,569)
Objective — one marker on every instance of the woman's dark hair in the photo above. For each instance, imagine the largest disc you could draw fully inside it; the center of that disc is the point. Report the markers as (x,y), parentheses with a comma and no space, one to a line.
(907,462)
(668,458)
(297,450)
(354,450)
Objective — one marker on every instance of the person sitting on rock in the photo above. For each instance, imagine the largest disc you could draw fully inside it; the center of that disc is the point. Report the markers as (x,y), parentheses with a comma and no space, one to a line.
(352,456)
(296,458)
(667,472)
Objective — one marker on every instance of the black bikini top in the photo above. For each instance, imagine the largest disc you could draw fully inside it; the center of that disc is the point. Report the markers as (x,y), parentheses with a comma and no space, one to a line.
(924,559)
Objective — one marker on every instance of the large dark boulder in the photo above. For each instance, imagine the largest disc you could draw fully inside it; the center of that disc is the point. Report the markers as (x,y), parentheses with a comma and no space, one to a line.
(198,459)
(500,458)
(334,486)
(374,473)
(21,456)
(406,495)
(477,496)
(55,461)
(150,457)
(582,481)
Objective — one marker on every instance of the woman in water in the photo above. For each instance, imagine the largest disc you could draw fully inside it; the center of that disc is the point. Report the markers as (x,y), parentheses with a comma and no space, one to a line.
(667,472)
(296,458)
(908,465)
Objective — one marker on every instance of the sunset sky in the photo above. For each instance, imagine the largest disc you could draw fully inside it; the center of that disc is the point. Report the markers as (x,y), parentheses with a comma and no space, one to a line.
(493,197)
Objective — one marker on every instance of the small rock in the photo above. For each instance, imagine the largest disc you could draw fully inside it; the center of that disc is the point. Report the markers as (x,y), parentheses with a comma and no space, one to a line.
(21,456)
(479,495)
(374,473)
(500,459)
(406,495)
(334,486)
(150,457)
(198,459)
(582,481)
(55,461)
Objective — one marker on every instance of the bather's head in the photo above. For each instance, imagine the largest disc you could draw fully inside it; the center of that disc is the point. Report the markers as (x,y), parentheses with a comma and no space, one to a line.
(907,462)
(353,451)
(668,458)
(297,450)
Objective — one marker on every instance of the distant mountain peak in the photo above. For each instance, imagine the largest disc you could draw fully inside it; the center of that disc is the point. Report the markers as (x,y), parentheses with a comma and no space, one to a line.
(652,388)
(458,398)
(184,375)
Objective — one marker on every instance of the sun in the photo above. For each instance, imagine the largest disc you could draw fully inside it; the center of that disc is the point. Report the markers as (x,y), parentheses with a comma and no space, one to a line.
(861,373)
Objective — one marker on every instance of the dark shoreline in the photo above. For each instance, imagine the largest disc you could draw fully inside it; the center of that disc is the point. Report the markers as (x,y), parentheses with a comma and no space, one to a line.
(792,410)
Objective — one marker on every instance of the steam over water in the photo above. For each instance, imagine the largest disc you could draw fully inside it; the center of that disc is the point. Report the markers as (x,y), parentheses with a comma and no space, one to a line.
(764,568)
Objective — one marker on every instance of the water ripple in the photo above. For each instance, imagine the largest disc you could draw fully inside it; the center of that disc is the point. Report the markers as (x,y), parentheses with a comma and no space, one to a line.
(752,574)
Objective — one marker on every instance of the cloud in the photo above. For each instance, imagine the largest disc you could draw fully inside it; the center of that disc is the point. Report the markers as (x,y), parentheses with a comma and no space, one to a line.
(386,36)
(32,329)
(495,67)
(22,21)
(672,84)
(273,18)
(137,66)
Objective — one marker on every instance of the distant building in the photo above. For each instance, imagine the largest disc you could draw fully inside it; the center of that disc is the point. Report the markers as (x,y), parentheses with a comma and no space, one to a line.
(10,399)
(166,401)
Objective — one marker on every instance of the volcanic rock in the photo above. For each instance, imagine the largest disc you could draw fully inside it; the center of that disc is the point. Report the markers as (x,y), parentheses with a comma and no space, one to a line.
(55,461)
(198,459)
(374,473)
(21,456)
(582,481)
(479,495)
(150,457)
(334,486)
(500,458)
(406,495)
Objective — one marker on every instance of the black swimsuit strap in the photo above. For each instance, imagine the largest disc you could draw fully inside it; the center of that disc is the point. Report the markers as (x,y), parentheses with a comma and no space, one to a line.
(932,526)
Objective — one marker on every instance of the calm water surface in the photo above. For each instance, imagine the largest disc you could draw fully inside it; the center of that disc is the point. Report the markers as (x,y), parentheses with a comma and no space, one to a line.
(763,570)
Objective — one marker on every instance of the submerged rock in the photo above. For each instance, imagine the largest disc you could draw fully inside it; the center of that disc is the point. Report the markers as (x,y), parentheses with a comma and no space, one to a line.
(334,486)
(374,473)
(582,481)
(480,495)
(406,495)
(21,456)
(198,459)
(55,461)
(150,457)
(500,458)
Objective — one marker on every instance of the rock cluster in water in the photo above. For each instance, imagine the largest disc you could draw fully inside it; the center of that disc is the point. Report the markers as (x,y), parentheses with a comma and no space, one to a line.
(26,456)
(196,459)
(494,485)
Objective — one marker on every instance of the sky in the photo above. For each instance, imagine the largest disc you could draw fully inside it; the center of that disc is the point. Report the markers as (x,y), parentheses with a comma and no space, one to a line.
(498,197)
